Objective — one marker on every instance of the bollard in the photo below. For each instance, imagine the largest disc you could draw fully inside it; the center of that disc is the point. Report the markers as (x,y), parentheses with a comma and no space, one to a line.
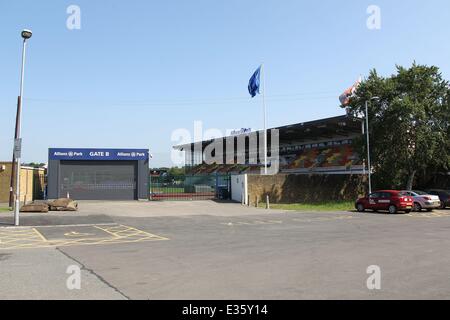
(257,201)
(242,199)
(248,200)
(267,202)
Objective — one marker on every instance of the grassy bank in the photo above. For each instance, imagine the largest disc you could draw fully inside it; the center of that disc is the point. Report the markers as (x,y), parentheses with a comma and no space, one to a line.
(323,206)
(4,209)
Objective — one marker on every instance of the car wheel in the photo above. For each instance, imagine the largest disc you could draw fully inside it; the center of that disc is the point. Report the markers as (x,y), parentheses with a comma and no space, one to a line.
(429,210)
(417,207)
(360,207)
(407,211)
(392,209)
(442,205)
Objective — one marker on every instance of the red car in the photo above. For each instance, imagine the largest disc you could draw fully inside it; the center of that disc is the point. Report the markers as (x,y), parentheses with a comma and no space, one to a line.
(391,200)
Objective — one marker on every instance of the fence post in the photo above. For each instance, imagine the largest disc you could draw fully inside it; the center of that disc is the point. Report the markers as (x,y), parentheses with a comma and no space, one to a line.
(267,202)
(149,186)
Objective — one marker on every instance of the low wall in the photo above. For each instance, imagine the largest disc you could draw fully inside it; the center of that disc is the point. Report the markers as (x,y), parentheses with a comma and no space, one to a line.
(291,188)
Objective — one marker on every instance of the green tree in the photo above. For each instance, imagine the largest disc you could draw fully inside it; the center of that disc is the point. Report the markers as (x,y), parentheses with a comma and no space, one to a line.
(176,171)
(34,164)
(408,124)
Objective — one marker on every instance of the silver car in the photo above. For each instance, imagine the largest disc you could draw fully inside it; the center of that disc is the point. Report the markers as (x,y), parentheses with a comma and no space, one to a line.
(423,200)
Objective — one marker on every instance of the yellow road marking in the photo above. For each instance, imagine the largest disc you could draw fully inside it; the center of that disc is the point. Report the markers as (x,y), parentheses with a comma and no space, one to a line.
(137,231)
(32,238)
(39,234)
(320,219)
(113,234)
(76,234)
(268,222)
(262,222)
(436,214)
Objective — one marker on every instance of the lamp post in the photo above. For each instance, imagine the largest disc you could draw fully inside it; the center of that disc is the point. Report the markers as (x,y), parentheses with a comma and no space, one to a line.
(368,143)
(26,34)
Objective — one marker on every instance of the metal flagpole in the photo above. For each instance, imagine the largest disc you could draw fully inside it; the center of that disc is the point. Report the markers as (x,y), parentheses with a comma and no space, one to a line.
(368,147)
(263,71)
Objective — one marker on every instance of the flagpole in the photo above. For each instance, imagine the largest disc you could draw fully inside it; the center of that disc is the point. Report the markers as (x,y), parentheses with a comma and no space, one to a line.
(263,71)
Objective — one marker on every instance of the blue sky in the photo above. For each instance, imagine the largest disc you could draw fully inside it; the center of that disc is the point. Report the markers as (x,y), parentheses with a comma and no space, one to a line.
(137,70)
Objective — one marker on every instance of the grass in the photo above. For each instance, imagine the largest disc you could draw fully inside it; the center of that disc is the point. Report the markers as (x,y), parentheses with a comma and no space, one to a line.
(322,206)
(4,209)
(167,189)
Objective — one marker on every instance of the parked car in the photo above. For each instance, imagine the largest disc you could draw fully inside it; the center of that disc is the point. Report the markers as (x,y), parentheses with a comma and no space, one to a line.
(444,196)
(423,200)
(391,200)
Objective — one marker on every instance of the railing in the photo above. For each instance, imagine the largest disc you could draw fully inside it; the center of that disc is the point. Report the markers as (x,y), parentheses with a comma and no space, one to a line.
(197,187)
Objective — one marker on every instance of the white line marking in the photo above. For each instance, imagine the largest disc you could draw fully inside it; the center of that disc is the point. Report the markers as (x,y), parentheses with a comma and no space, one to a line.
(62,225)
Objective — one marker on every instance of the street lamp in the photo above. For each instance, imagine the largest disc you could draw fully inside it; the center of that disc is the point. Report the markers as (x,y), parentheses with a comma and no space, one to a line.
(26,34)
(368,142)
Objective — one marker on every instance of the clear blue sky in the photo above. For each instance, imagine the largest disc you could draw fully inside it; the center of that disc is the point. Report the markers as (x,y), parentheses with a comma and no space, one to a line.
(137,70)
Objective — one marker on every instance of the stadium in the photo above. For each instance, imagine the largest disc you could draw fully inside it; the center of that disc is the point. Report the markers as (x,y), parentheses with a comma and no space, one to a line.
(323,146)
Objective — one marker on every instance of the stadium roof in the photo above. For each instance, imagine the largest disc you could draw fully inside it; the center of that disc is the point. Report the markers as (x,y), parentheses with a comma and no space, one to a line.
(321,129)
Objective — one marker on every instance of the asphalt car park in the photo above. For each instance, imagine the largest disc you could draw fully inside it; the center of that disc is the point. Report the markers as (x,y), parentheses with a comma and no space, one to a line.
(211,250)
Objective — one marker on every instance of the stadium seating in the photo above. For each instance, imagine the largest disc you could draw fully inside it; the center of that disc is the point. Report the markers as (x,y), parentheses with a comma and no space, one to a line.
(327,157)
(322,159)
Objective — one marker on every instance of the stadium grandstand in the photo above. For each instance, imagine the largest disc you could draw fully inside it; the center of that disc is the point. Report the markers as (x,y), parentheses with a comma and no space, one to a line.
(323,146)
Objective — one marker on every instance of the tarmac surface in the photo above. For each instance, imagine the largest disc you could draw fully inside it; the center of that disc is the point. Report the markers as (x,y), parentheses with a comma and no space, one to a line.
(211,250)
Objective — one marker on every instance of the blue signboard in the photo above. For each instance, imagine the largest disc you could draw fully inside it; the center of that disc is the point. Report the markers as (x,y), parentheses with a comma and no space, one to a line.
(97,154)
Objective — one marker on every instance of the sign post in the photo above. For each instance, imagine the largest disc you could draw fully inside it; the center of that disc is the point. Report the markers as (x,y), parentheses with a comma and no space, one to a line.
(17,148)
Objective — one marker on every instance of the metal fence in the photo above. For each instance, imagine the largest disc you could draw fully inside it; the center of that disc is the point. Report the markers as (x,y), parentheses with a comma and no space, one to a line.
(197,187)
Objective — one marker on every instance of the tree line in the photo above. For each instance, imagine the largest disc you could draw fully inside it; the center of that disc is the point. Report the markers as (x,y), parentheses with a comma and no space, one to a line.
(409,126)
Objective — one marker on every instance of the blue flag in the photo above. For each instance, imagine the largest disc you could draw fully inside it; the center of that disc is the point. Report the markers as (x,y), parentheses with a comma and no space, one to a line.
(254,83)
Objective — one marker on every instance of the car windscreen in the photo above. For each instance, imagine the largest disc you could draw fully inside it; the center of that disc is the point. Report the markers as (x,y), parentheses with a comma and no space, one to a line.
(421,193)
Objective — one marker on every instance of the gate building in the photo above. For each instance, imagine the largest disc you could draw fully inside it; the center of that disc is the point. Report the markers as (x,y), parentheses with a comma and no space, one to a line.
(98,174)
